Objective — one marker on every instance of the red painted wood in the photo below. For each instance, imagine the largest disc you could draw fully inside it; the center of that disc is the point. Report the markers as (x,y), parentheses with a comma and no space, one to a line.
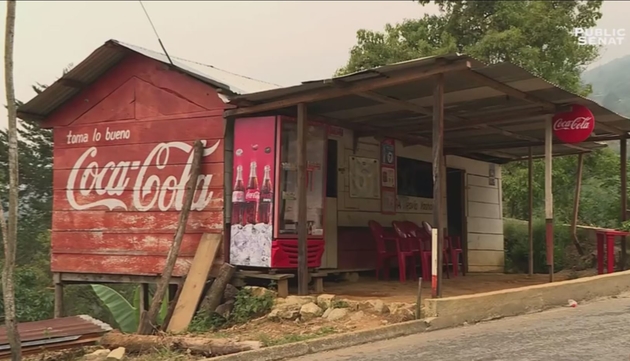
(163,102)
(149,70)
(114,264)
(134,222)
(143,105)
(119,105)
(155,131)
(121,243)
(60,201)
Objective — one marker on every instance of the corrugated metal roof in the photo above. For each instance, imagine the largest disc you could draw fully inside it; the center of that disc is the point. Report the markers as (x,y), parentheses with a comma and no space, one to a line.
(512,124)
(55,334)
(108,55)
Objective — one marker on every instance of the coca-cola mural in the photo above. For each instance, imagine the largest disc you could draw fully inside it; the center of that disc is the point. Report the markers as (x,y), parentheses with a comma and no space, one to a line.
(136,183)
(574,126)
(252,192)
(119,187)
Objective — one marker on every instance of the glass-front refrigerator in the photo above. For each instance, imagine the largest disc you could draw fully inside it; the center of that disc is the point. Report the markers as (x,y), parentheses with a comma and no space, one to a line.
(264,218)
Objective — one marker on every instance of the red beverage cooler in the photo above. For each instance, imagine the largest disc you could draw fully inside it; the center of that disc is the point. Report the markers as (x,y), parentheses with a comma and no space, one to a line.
(264,213)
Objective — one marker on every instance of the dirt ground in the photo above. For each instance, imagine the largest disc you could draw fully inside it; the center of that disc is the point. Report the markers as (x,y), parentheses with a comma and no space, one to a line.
(394,291)
(367,288)
(271,333)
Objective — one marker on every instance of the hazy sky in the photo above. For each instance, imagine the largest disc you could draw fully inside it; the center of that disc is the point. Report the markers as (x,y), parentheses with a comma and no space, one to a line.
(282,42)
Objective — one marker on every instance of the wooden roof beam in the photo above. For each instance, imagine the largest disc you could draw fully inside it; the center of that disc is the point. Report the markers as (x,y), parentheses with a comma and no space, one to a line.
(351,88)
(506,146)
(412,107)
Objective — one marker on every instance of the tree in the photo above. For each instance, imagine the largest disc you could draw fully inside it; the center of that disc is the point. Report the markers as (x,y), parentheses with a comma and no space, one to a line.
(535,35)
(9,229)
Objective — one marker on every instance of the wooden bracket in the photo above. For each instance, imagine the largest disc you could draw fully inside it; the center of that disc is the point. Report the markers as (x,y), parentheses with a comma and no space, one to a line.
(355,142)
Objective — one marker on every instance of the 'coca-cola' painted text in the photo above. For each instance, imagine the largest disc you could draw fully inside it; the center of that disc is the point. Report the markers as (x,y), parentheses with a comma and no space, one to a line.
(141,177)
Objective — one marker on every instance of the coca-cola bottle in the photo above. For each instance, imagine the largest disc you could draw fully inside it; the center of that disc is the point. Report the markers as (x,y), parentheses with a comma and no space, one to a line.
(238,198)
(266,198)
(252,195)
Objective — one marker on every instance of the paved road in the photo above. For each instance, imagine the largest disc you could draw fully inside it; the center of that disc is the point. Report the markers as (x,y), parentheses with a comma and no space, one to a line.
(594,331)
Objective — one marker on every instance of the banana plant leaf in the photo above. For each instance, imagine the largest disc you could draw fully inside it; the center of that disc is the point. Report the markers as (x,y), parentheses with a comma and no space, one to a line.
(125,315)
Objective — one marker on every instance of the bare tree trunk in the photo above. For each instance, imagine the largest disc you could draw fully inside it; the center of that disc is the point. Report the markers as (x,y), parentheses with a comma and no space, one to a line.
(148,319)
(9,232)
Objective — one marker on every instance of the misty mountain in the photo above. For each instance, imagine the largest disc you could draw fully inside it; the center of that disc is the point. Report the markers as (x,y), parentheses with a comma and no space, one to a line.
(611,87)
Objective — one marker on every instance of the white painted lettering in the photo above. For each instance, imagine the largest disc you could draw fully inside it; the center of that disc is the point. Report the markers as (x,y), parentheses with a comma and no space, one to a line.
(117,134)
(76,138)
(149,190)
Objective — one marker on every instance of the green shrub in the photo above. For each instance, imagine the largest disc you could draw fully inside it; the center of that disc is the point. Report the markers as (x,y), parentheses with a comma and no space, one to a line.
(517,246)
(246,307)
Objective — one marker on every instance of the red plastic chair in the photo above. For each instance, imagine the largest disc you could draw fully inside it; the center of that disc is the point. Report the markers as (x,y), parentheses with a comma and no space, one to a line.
(383,254)
(408,248)
(455,250)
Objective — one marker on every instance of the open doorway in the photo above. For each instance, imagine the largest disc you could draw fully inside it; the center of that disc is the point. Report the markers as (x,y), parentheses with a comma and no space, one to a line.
(455,207)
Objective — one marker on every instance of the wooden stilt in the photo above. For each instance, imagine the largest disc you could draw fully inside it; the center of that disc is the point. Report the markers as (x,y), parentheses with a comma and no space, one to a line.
(58,311)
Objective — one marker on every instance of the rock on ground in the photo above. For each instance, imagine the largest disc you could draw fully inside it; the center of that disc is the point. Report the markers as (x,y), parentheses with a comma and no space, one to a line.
(261,291)
(97,355)
(225,309)
(285,312)
(310,311)
(117,354)
(376,306)
(337,314)
(325,301)
(229,293)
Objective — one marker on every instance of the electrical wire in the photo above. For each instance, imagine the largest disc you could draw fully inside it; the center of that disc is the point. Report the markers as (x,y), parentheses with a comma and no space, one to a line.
(156,33)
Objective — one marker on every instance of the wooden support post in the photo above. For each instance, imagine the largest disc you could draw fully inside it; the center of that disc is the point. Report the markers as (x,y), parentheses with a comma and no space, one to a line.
(549,196)
(302,126)
(319,285)
(623,159)
(58,313)
(144,297)
(434,263)
(530,221)
(576,205)
(419,300)
(437,143)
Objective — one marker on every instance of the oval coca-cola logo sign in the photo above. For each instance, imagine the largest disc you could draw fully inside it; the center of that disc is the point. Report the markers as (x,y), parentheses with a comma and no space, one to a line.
(574,126)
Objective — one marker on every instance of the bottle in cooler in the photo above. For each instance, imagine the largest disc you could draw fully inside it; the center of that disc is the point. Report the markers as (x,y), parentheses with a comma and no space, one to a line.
(252,195)
(238,198)
(266,198)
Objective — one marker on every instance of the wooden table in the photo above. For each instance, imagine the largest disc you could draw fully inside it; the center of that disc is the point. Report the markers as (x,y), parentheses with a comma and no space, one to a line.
(607,237)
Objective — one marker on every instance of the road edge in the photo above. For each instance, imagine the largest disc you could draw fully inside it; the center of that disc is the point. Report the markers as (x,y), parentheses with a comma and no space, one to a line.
(333,342)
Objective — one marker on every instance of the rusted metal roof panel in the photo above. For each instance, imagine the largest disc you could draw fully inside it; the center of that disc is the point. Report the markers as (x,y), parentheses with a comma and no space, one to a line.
(107,56)
(467,100)
(55,334)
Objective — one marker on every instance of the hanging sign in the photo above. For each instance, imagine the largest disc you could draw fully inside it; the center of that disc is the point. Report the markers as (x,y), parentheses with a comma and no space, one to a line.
(574,126)
(388,176)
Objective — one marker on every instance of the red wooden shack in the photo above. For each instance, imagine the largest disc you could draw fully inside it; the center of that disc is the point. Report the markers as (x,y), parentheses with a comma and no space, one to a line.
(124,121)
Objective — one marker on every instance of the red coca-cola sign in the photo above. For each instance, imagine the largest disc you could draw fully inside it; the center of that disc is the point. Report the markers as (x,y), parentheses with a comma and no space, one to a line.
(574,126)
